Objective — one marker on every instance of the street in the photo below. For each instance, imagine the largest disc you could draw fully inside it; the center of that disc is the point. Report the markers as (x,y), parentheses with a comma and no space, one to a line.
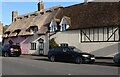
(40,65)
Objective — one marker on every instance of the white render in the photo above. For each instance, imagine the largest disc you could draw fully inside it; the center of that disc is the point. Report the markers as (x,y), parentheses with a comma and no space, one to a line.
(0,38)
(73,38)
(35,39)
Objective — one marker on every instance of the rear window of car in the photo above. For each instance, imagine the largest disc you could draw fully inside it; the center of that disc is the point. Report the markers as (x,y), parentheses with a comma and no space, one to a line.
(15,46)
(6,46)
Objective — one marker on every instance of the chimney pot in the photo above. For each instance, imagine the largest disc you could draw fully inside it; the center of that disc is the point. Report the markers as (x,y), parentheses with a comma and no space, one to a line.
(40,5)
(14,15)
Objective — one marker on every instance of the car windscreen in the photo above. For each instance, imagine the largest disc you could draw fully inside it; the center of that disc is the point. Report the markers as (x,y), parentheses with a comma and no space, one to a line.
(74,49)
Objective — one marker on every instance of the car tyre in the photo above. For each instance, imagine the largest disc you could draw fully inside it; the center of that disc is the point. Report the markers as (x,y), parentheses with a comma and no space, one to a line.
(78,60)
(17,55)
(92,62)
(6,54)
(52,58)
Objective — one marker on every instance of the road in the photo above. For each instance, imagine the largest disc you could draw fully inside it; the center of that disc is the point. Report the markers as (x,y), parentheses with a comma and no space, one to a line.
(41,66)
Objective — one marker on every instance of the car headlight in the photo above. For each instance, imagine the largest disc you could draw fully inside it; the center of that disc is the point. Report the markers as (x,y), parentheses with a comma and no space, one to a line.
(85,55)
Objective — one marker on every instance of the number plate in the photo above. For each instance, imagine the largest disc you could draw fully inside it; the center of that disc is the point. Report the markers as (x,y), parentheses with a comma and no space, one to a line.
(92,58)
(15,49)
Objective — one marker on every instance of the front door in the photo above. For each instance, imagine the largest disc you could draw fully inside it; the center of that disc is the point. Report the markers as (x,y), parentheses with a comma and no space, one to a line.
(41,47)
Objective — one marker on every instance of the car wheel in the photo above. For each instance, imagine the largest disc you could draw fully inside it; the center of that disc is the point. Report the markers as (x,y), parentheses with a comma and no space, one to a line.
(78,60)
(92,62)
(17,55)
(6,54)
(119,62)
(52,58)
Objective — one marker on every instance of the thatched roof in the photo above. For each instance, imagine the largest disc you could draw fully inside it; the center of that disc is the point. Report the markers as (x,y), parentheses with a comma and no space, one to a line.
(92,14)
(33,19)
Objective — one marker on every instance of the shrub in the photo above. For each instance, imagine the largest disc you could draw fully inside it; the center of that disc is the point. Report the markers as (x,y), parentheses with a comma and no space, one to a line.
(53,43)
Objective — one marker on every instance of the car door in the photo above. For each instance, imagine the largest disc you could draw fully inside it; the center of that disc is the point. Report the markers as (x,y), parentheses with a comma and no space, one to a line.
(59,54)
(67,54)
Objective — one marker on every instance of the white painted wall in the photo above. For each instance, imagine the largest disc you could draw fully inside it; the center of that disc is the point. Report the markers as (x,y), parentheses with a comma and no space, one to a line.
(73,38)
(36,38)
(0,38)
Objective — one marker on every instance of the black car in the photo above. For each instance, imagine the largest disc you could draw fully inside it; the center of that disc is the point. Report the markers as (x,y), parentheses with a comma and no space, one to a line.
(11,50)
(70,54)
(116,59)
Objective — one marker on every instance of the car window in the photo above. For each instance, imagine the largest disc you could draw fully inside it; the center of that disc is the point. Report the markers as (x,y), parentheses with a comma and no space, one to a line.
(52,49)
(74,49)
(15,46)
(58,49)
(66,50)
(5,47)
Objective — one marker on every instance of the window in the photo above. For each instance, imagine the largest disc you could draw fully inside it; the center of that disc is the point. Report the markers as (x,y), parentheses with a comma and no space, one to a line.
(53,28)
(41,13)
(66,49)
(18,44)
(33,15)
(35,29)
(104,34)
(33,46)
(63,27)
(26,16)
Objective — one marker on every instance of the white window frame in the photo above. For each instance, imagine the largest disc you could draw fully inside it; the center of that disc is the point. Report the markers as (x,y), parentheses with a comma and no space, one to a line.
(35,29)
(53,28)
(63,27)
(33,46)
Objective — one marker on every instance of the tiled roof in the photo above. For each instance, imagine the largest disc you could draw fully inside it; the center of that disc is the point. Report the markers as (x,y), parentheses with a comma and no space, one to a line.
(92,14)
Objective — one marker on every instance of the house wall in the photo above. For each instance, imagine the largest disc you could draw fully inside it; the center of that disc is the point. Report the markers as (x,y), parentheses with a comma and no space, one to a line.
(35,40)
(25,43)
(0,40)
(20,40)
(73,38)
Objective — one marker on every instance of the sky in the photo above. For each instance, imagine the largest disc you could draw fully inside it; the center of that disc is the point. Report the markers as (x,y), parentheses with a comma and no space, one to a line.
(25,7)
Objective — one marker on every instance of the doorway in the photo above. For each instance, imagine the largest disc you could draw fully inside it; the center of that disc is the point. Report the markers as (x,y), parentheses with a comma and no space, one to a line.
(41,47)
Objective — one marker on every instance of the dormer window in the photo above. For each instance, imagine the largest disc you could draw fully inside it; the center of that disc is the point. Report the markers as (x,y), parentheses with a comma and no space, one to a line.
(17,31)
(25,16)
(41,13)
(7,33)
(65,23)
(35,29)
(33,15)
(49,11)
(63,27)
(53,28)
(19,18)
(32,29)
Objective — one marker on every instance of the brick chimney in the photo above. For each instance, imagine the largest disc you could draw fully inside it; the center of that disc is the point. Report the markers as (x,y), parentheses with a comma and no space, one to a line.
(14,15)
(40,5)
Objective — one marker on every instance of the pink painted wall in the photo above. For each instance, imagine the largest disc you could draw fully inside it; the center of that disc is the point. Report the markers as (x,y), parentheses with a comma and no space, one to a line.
(21,41)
